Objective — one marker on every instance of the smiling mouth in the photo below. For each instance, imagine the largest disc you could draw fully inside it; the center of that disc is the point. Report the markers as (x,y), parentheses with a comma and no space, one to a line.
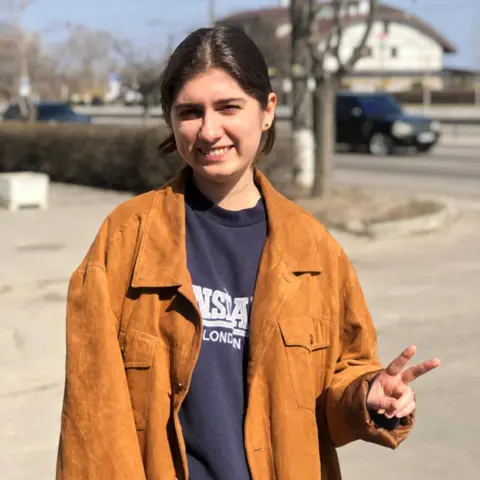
(215,152)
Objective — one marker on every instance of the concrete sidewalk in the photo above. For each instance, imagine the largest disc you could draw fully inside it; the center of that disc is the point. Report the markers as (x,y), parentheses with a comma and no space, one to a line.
(422,290)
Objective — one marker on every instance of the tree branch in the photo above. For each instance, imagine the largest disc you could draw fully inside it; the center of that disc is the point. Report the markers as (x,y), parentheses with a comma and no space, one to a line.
(125,50)
(338,27)
(317,54)
(14,8)
(358,51)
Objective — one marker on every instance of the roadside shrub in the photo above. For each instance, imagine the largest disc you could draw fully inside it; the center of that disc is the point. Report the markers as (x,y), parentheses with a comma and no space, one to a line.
(106,156)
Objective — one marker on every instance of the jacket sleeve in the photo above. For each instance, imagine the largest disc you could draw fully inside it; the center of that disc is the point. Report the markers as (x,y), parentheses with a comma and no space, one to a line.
(347,415)
(98,439)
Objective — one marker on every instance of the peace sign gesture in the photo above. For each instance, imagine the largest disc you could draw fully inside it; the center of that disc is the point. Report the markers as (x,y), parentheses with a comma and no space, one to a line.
(390,392)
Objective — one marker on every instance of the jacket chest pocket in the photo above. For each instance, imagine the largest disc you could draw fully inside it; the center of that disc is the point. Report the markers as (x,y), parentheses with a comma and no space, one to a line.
(306,341)
(138,360)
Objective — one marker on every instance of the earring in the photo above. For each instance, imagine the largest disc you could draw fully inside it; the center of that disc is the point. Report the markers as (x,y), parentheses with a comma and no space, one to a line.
(267,125)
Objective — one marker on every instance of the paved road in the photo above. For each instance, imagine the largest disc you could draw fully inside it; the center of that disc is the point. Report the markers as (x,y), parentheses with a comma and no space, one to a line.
(452,171)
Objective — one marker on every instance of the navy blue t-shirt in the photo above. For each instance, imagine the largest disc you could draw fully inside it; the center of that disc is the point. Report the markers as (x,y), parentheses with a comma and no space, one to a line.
(223,255)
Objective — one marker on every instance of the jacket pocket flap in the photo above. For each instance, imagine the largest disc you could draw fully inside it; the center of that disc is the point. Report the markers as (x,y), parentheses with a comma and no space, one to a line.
(139,349)
(307,332)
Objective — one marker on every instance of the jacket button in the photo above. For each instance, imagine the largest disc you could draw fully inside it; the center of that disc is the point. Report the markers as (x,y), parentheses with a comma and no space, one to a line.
(179,386)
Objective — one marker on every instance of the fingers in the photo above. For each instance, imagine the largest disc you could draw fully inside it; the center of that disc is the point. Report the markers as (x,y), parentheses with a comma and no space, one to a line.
(405,404)
(396,366)
(406,411)
(416,371)
(401,407)
(386,406)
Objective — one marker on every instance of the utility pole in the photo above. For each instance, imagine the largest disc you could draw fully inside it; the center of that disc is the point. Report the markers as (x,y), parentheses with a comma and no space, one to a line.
(476,79)
(300,70)
(170,44)
(211,12)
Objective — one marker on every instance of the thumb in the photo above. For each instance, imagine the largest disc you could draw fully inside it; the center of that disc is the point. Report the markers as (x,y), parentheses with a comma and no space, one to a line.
(387,404)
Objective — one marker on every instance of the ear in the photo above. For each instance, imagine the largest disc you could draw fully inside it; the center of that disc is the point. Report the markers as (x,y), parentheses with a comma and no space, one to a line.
(269,113)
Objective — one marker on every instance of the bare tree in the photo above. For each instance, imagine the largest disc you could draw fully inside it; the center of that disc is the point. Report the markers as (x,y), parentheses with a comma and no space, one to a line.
(83,62)
(327,80)
(16,36)
(303,142)
(87,54)
(330,62)
(8,63)
(476,80)
(42,66)
(142,71)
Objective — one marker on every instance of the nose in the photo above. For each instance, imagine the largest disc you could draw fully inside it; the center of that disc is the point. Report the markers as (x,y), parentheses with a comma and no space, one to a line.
(211,129)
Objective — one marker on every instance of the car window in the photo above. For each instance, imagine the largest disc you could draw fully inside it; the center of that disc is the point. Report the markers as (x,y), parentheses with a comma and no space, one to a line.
(49,111)
(344,107)
(380,105)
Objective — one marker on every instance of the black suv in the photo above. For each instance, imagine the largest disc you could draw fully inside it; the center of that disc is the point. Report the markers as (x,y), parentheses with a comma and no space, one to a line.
(377,121)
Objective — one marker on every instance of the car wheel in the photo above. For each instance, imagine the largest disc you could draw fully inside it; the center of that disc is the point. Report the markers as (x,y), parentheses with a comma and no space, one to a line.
(423,148)
(357,148)
(380,144)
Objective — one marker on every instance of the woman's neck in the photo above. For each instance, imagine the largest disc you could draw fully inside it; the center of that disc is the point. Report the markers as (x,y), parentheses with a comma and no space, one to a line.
(235,194)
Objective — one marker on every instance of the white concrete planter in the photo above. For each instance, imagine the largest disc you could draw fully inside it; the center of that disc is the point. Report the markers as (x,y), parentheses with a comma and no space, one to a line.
(24,189)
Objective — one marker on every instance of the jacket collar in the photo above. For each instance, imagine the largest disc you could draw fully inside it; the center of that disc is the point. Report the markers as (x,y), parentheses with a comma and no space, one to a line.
(289,230)
(162,258)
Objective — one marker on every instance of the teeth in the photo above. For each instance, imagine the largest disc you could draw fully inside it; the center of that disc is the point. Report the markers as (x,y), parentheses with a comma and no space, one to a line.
(217,151)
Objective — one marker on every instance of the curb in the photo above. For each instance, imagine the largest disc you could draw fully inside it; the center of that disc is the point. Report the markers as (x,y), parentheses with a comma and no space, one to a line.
(420,225)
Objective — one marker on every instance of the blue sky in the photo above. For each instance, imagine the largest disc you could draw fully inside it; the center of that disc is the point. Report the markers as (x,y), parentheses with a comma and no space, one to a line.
(149,21)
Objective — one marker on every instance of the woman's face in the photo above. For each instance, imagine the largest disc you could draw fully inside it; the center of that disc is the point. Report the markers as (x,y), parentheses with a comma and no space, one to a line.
(218,126)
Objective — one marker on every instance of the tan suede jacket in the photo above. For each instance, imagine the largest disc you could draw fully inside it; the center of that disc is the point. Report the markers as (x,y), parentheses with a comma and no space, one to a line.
(134,333)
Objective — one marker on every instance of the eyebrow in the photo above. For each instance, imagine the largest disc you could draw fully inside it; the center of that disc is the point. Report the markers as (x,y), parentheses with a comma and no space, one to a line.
(223,101)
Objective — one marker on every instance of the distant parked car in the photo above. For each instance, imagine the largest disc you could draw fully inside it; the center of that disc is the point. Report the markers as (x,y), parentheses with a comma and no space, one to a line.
(51,112)
(97,100)
(377,121)
(132,97)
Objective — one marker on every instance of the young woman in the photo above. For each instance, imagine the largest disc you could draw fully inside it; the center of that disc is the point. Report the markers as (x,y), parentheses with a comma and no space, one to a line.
(215,330)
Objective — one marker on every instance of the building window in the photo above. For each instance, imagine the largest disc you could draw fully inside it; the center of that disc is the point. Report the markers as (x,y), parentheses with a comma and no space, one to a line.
(367,51)
(394,52)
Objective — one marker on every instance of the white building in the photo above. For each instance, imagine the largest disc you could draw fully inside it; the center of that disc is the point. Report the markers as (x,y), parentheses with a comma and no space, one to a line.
(402,51)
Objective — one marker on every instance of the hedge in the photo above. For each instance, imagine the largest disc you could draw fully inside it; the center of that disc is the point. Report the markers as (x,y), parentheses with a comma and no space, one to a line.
(107,156)
(97,155)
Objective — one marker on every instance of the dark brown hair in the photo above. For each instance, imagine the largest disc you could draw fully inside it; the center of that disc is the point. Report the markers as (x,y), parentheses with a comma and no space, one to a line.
(227,48)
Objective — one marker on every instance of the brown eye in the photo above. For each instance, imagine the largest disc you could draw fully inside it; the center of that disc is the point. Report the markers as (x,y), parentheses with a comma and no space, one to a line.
(190,114)
(230,109)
